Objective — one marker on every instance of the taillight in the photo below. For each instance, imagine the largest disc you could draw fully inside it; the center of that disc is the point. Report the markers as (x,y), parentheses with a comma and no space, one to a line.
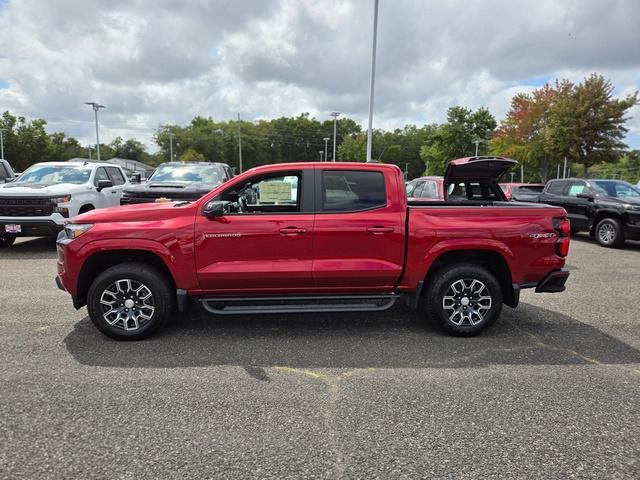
(563,227)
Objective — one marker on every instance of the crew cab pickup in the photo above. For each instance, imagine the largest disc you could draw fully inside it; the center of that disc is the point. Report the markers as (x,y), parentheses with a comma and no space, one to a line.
(48,194)
(315,237)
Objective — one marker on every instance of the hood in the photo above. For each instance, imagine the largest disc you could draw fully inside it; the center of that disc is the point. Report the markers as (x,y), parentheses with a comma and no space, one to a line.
(37,189)
(144,212)
(158,187)
(488,169)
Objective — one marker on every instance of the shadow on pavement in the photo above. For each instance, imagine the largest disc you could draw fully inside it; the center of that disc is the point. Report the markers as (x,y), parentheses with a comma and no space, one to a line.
(395,339)
(30,248)
(585,238)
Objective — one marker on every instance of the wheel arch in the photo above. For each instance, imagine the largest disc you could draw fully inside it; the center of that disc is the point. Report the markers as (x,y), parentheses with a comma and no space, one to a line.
(87,207)
(491,260)
(601,215)
(99,261)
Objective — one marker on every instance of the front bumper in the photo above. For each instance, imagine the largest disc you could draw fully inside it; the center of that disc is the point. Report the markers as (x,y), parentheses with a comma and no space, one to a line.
(31,227)
(553,282)
(632,232)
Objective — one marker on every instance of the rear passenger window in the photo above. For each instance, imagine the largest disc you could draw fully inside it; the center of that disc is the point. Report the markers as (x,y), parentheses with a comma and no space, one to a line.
(352,190)
(116,176)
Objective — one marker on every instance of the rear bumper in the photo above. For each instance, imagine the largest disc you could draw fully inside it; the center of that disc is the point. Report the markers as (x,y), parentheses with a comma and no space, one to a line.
(553,282)
(31,228)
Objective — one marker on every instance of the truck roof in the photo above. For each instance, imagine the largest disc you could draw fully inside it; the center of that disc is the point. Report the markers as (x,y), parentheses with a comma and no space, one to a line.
(324,165)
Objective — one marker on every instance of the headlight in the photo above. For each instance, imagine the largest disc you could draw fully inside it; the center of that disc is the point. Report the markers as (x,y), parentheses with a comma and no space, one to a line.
(74,230)
(633,207)
(65,199)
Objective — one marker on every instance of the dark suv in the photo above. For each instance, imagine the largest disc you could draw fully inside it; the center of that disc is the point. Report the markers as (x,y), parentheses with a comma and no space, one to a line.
(178,181)
(607,209)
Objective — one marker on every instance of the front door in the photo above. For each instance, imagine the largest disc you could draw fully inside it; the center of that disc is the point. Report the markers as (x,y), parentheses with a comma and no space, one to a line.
(359,231)
(264,241)
(578,208)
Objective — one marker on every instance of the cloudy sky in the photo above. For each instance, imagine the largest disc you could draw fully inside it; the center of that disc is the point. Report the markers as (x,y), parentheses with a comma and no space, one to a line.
(164,61)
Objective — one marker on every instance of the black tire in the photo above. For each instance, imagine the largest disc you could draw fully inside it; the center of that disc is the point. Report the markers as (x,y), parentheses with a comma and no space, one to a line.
(85,209)
(6,242)
(469,320)
(609,233)
(162,301)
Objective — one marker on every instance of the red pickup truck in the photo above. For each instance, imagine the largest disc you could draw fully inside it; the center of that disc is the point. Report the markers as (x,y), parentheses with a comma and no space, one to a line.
(316,237)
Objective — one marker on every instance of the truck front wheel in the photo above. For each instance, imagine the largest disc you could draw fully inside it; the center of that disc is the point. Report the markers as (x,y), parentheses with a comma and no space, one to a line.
(464,299)
(130,301)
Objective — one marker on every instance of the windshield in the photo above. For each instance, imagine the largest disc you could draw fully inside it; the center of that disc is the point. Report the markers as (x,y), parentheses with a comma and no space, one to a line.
(615,188)
(53,174)
(211,174)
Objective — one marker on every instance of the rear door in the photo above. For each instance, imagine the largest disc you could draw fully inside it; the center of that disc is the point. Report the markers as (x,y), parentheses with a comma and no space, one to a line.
(264,242)
(359,230)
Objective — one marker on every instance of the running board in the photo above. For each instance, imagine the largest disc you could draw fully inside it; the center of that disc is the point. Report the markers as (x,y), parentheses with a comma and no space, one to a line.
(325,303)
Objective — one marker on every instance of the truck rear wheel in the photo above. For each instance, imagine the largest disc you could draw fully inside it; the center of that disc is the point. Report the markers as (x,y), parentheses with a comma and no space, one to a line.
(6,242)
(464,299)
(130,301)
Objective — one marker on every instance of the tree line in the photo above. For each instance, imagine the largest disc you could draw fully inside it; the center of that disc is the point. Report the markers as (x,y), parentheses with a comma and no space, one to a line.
(582,122)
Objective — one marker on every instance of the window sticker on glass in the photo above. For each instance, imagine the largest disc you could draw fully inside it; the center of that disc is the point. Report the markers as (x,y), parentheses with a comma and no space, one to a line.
(575,190)
(275,192)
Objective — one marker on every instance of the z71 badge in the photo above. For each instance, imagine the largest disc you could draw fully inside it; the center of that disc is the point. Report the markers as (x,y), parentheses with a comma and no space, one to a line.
(542,235)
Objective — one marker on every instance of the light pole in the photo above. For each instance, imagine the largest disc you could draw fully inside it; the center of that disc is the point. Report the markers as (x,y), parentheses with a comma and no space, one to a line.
(320,152)
(2,130)
(171,134)
(326,143)
(372,84)
(96,106)
(239,145)
(477,142)
(335,121)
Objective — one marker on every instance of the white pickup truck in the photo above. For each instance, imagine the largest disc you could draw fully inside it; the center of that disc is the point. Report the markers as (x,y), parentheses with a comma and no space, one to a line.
(46,195)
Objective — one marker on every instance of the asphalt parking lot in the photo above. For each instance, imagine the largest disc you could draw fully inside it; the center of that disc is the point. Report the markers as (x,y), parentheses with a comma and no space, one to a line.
(551,391)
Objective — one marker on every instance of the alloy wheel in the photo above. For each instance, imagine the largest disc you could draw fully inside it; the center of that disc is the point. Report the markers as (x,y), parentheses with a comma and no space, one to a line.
(467,301)
(127,304)
(606,233)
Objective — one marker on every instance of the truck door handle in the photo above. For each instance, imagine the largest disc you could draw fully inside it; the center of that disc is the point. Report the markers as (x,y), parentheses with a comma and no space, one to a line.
(379,230)
(290,231)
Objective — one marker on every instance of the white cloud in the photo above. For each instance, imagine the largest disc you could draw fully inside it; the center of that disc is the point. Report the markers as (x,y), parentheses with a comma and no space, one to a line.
(161,61)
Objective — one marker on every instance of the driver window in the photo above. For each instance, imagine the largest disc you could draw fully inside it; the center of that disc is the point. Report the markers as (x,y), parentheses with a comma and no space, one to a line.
(577,188)
(266,194)
(101,174)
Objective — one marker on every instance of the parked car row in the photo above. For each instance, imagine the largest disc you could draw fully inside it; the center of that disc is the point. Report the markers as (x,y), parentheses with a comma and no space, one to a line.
(45,196)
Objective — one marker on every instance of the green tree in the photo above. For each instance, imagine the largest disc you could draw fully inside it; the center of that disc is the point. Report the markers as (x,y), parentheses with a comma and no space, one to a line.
(190,155)
(589,123)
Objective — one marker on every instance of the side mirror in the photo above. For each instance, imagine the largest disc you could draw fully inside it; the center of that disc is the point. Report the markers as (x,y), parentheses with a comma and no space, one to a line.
(585,196)
(102,184)
(136,178)
(213,209)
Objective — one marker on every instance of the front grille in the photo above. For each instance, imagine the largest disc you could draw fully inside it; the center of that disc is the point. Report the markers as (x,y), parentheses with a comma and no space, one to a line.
(26,207)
